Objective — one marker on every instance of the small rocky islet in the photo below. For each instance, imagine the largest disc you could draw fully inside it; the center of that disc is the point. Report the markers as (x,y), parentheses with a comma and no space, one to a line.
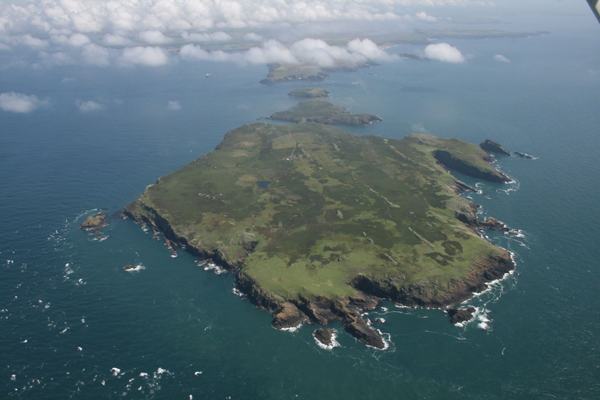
(345,221)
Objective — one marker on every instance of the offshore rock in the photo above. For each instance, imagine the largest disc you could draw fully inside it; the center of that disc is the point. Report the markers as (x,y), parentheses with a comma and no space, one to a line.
(325,336)
(94,222)
(361,330)
(459,315)
(494,147)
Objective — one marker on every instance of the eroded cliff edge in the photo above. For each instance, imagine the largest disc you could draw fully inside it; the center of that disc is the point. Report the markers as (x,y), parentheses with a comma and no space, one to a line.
(320,225)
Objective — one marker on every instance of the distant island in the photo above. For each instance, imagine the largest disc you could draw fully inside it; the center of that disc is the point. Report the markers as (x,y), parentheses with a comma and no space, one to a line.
(320,225)
(323,112)
(309,93)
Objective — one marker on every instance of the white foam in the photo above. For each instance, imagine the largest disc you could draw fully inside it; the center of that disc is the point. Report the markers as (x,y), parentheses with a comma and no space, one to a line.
(13,377)
(292,328)
(24,341)
(136,268)
(209,266)
(384,309)
(237,292)
(143,374)
(197,373)
(115,371)
(386,344)
(161,371)
(334,342)
(64,330)
(483,321)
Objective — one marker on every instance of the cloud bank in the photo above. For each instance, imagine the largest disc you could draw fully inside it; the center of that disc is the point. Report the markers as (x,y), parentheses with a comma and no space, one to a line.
(306,51)
(88,106)
(19,102)
(501,58)
(94,16)
(444,52)
(173,105)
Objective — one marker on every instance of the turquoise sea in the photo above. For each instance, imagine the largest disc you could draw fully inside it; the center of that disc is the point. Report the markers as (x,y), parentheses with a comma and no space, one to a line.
(74,324)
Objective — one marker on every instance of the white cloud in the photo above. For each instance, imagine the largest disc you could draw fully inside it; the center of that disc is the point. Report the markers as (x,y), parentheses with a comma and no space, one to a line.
(95,55)
(422,16)
(206,37)
(117,17)
(253,37)
(88,106)
(368,49)
(444,52)
(19,102)
(55,58)
(115,40)
(78,40)
(149,56)
(305,51)
(173,105)
(501,58)
(154,37)
(31,41)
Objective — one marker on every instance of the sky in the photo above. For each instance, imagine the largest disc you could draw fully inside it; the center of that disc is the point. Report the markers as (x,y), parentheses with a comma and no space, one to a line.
(138,33)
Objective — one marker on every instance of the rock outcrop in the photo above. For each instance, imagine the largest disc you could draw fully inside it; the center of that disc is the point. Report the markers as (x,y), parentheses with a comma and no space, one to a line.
(94,222)
(460,315)
(325,336)
(289,317)
(494,147)
(448,160)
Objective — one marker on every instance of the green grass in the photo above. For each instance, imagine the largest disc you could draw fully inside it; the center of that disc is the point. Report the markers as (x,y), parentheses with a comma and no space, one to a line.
(311,92)
(323,112)
(337,205)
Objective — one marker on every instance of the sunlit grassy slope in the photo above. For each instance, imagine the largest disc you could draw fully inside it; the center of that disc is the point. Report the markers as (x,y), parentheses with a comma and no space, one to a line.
(323,206)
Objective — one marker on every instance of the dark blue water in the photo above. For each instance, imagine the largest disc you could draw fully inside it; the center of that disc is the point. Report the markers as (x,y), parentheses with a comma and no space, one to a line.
(74,324)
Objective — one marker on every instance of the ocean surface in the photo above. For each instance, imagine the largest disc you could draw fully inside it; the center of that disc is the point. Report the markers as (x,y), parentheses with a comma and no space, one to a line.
(74,324)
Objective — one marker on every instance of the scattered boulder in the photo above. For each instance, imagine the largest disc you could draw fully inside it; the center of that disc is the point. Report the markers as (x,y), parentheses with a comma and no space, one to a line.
(493,147)
(289,317)
(94,222)
(460,315)
(325,336)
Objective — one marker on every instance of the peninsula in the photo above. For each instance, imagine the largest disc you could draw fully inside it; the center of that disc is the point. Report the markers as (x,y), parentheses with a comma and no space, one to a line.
(319,224)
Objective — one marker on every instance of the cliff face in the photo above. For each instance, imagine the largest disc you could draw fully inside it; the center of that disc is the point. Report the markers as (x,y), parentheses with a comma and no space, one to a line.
(494,147)
(319,225)
(370,290)
(448,160)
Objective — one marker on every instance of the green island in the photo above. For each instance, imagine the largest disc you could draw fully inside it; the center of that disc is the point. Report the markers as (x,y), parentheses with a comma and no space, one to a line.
(309,93)
(293,72)
(320,225)
(323,112)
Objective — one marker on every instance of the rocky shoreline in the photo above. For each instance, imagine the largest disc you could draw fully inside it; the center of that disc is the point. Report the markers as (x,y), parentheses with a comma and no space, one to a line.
(370,291)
